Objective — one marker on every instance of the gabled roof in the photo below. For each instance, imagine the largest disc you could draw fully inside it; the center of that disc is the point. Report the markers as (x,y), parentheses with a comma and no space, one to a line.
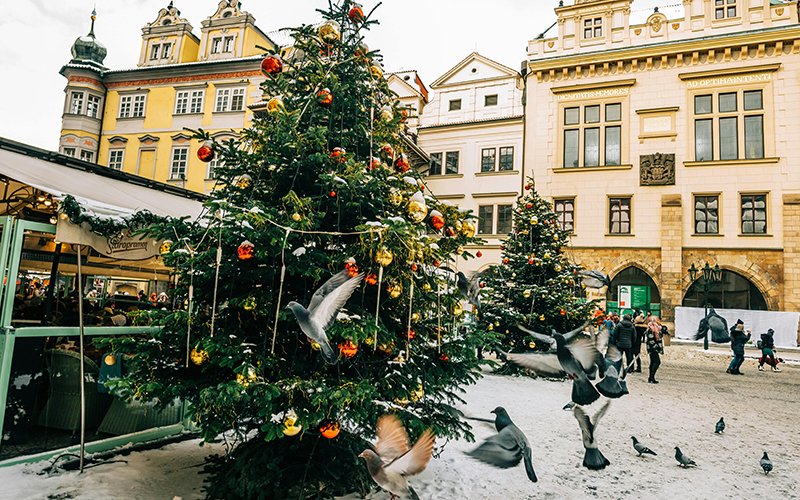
(442,80)
(418,91)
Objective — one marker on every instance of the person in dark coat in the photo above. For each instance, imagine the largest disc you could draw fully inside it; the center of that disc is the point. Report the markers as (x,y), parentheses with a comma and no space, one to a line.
(640,325)
(624,335)
(655,346)
(768,351)
(738,339)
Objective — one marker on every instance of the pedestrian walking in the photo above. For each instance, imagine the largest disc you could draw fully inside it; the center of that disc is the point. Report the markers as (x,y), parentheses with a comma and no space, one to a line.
(624,335)
(738,339)
(767,344)
(655,346)
(640,326)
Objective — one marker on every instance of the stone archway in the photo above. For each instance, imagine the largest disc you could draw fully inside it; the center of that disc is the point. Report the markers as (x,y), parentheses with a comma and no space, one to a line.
(634,274)
(767,285)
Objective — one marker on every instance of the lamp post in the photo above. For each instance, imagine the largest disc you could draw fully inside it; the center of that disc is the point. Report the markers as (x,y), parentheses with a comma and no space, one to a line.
(711,276)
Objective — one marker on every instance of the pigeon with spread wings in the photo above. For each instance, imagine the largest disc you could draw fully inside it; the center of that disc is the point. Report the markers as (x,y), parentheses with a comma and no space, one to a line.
(593,459)
(506,448)
(393,460)
(325,304)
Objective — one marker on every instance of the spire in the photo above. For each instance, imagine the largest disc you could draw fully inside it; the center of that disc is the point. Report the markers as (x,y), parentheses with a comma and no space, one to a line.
(94,16)
(87,50)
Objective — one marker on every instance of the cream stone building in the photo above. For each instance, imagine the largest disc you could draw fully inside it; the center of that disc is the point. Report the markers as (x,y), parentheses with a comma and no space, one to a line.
(472,131)
(672,142)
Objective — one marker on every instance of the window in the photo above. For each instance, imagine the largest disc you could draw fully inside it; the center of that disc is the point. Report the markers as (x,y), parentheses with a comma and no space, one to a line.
(504,218)
(132,106)
(619,216)
(706,214)
(93,106)
(436,164)
(230,100)
(600,129)
(455,105)
(729,125)
(115,157)
(490,100)
(154,51)
(724,9)
(216,45)
(178,166)
(485,219)
(565,214)
(487,159)
(76,103)
(87,155)
(593,28)
(507,158)
(754,214)
(228,44)
(166,50)
(212,168)
(451,162)
(68,151)
(189,101)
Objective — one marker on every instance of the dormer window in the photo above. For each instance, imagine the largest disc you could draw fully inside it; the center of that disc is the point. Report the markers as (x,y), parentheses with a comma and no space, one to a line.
(593,28)
(221,45)
(160,51)
(166,51)
(154,51)
(216,45)
(724,9)
(228,44)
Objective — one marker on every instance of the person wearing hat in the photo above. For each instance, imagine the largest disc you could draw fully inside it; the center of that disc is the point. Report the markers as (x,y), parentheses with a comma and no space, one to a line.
(768,350)
(738,339)
(624,335)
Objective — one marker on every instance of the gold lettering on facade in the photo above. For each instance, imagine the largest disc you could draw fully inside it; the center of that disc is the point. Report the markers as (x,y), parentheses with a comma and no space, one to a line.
(729,80)
(593,94)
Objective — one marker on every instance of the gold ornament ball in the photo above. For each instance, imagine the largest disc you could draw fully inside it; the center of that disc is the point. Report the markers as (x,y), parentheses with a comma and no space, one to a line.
(526,294)
(490,327)
(249,303)
(417,393)
(534,220)
(415,317)
(426,287)
(394,290)
(557,267)
(198,356)
(296,217)
(468,229)
(110,360)
(555,237)
(541,317)
(275,105)
(417,211)
(387,114)
(165,247)
(384,257)
(243,181)
(290,426)
(546,255)
(395,197)
(457,309)
(330,31)
(376,71)
(532,344)
(247,378)
(315,346)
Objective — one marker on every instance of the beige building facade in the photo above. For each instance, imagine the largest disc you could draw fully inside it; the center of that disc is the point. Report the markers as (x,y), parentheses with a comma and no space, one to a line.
(672,143)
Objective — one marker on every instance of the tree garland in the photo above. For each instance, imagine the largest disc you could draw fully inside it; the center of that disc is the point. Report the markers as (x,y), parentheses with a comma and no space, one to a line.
(110,226)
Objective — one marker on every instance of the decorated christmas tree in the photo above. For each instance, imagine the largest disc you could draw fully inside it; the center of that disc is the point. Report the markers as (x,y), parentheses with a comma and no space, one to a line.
(319,188)
(536,285)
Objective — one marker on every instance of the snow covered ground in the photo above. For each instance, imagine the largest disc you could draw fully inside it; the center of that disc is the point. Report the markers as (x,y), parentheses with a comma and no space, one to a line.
(761,411)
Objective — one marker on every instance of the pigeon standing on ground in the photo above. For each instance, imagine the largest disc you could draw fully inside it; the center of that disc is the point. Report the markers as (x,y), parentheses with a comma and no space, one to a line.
(594,279)
(766,463)
(578,359)
(720,428)
(325,304)
(506,448)
(640,448)
(683,460)
(393,461)
(469,289)
(593,459)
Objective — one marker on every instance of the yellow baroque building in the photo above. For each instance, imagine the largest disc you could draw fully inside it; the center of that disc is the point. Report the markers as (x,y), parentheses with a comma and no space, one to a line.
(134,119)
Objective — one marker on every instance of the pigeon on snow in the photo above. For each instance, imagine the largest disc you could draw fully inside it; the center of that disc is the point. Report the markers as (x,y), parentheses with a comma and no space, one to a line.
(506,448)
(640,448)
(720,427)
(325,304)
(593,459)
(393,460)
(578,359)
(766,463)
(683,460)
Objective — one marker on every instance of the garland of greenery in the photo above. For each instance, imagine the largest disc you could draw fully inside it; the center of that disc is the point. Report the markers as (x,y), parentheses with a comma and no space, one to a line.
(110,226)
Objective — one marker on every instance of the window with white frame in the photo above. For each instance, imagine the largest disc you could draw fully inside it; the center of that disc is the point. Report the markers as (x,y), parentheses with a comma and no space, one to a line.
(729,125)
(93,106)
(76,103)
(155,50)
(564,209)
(619,215)
(706,214)
(230,99)
(189,101)
(593,28)
(598,127)
(68,151)
(180,157)
(166,51)
(227,44)
(115,158)
(724,9)
(216,45)
(754,213)
(213,165)
(495,219)
(506,158)
(87,155)
(132,105)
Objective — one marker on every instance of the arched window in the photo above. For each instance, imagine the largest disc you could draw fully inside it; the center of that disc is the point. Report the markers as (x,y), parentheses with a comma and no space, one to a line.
(735,292)
(635,277)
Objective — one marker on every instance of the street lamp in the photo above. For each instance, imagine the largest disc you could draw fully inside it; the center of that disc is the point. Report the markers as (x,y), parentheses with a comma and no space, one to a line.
(711,276)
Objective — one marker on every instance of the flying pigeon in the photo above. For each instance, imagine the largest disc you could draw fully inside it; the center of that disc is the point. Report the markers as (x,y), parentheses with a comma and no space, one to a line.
(613,384)
(593,459)
(683,460)
(506,448)
(325,305)
(640,448)
(766,463)
(717,325)
(393,461)
(469,289)
(594,279)
(550,339)
(720,427)
(577,360)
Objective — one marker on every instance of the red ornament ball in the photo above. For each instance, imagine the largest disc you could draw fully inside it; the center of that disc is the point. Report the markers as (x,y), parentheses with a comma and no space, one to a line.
(404,115)
(387,150)
(505,260)
(411,334)
(562,312)
(348,349)
(329,429)
(401,163)
(351,267)
(444,357)
(530,261)
(332,194)
(339,154)
(206,152)
(371,279)
(450,232)
(324,98)
(436,263)
(528,187)
(479,254)
(356,13)
(437,220)
(481,284)
(375,163)
(529,205)
(414,267)
(271,65)
(246,250)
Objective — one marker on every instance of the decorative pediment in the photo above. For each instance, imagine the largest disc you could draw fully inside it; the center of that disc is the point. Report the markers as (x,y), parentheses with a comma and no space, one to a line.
(148,138)
(168,16)
(117,139)
(226,9)
(181,137)
(473,68)
(224,134)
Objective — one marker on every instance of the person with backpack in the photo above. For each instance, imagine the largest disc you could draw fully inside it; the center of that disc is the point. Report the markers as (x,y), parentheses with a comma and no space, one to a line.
(624,335)
(738,339)
(767,345)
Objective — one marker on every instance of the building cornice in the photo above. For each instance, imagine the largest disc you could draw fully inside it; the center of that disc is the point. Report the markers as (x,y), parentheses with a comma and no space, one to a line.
(475,123)
(592,86)
(762,68)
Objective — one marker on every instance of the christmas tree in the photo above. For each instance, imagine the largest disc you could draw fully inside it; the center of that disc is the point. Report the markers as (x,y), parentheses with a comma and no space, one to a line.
(535,285)
(320,185)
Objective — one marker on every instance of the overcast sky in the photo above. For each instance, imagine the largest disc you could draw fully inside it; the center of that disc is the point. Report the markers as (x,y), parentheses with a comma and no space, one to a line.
(430,36)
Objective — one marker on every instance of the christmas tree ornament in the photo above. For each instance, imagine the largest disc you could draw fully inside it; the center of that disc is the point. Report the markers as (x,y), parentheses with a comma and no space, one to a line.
(371,279)
(248,377)
(351,267)
(479,254)
(339,154)
(165,247)
(555,237)
(404,115)
(490,327)
(315,346)
(557,268)
(206,152)
(444,357)
(481,285)
(243,181)
(526,294)
(394,290)
(529,205)
(546,255)
(198,356)
(332,194)
(541,317)
(395,197)
(296,217)
(468,229)
(246,251)
(249,303)
(330,31)
(505,260)
(329,429)
(426,287)
(415,317)
(387,114)
(324,98)
(449,232)
(414,267)
(376,71)
(437,220)
(348,349)
(417,208)
(271,65)
(356,13)
(534,220)
(290,425)
(275,105)
(531,261)
(562,312)
(532,344)
(401,163)
(411,333)
(528,187)
(110,360)
(417,393)
(457,309)
(386,348)
(375,163)
(384,257)
(387,150)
